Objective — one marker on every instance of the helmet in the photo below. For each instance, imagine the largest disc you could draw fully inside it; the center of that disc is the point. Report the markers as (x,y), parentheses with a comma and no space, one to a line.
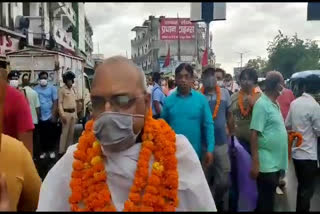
(69,75)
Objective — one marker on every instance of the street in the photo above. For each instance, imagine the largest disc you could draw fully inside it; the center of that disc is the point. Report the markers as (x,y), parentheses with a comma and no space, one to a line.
(287,202)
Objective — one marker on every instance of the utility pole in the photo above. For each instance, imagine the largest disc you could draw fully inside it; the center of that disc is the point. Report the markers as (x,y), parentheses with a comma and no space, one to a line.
(241,57)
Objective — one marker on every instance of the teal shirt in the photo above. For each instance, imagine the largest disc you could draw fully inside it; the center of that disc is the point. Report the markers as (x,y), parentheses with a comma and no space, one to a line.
(272,137)
(191,117)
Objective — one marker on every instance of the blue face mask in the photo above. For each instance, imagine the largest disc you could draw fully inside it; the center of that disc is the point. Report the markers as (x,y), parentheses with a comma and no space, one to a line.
(115,131)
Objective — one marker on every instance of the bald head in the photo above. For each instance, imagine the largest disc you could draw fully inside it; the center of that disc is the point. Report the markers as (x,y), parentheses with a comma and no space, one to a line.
(113,64)
(273,79)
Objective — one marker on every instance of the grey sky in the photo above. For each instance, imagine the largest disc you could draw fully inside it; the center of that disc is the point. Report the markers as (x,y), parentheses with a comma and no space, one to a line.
(249,26)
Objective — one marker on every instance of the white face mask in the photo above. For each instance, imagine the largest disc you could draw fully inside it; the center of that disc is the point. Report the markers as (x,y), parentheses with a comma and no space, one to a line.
(220,83)
(43,82)
(14,83)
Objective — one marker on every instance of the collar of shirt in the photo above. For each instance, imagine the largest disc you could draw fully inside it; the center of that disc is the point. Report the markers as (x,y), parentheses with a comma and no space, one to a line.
(307,95)
(179,95)
(264,96)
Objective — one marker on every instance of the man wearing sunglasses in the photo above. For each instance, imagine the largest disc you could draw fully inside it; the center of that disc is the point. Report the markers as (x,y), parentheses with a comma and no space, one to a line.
(120,105)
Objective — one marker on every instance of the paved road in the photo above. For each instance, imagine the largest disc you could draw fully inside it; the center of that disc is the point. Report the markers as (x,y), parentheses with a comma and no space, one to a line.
(287,202)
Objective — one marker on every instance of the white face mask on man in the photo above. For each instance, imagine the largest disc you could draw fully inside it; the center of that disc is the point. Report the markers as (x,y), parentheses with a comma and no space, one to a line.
(220,83)
(14,83)
(43,82)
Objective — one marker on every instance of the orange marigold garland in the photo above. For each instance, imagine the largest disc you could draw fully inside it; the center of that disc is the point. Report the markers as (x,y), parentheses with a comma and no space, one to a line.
(291,137)
(244,111)
(218,101)
(157,192)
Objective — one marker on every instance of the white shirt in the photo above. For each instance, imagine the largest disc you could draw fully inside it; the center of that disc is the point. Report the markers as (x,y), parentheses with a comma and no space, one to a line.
(33,101)
(149,89)
(304,117)
(193,191)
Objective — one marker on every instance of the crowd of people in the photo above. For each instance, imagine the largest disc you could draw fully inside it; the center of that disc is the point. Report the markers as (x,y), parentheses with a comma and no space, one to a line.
(191,127)
(37,115)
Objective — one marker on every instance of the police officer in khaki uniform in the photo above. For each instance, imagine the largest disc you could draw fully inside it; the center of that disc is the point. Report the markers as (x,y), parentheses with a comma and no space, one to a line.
(68,111)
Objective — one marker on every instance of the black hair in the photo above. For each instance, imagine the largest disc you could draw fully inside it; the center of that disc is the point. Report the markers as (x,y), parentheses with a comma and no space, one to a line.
(186,67)
(251,73)
(68,76)
(220,70)
(43,73)
(208,70)
(309,85)
(156,76)
(13,74)
(26,74)
(228,76)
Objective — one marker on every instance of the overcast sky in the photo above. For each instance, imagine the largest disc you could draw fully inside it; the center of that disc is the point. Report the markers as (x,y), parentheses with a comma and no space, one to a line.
(248,28)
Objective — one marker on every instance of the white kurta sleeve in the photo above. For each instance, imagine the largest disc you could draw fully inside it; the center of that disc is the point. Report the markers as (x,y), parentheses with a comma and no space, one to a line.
(55,190)
(194,193)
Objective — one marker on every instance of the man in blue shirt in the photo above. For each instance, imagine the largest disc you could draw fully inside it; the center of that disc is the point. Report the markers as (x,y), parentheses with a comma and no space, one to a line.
(187,112)
(157,95)
(218,172)
(48,97)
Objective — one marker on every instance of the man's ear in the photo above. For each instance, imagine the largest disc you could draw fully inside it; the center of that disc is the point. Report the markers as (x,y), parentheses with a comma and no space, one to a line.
(148,99)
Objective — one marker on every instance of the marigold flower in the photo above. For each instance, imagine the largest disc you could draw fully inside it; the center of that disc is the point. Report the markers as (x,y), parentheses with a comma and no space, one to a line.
(96,160)
(77,165)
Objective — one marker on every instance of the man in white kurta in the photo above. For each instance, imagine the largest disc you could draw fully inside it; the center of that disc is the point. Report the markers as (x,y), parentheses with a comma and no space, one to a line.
(193,191)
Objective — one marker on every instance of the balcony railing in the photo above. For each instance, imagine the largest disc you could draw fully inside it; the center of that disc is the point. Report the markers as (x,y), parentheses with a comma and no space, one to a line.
(88,39)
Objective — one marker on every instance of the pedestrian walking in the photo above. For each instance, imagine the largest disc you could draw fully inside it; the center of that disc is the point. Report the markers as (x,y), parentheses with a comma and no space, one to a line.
(284,100)
(48,116)
(122,115)
(304,117)
(34,103)
(17,115)
(157,96)
(13,78)
(269,142)
(242,103)
(188,112)
(218,172)
(67,111)
(19,180)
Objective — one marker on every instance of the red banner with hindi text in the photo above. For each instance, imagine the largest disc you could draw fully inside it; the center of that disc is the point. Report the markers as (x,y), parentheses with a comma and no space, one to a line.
(169,29)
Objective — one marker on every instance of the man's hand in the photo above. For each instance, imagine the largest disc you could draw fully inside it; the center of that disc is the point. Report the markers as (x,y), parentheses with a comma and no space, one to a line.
(4,195)
(63,119)
(53,119)
(208,159)
(254,172)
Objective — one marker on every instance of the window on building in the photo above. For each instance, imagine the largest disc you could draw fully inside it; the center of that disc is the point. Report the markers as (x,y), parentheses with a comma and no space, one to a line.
(26,9)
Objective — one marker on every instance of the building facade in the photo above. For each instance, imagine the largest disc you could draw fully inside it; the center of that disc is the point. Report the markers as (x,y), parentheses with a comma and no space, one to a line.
(59,26)
(149,48)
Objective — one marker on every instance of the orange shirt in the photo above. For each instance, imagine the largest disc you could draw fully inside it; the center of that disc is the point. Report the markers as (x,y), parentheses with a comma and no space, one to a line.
(22,177)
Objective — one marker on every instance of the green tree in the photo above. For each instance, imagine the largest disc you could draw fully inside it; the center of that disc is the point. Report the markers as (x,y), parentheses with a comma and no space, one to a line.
(291,54)
(258,64)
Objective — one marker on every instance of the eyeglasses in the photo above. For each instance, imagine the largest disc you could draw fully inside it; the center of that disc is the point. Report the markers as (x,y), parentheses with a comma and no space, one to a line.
(117,102)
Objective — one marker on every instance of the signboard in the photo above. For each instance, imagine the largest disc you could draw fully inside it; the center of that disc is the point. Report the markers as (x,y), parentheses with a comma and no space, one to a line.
(8,44)
(169,29)
(313,11)
(207,11)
